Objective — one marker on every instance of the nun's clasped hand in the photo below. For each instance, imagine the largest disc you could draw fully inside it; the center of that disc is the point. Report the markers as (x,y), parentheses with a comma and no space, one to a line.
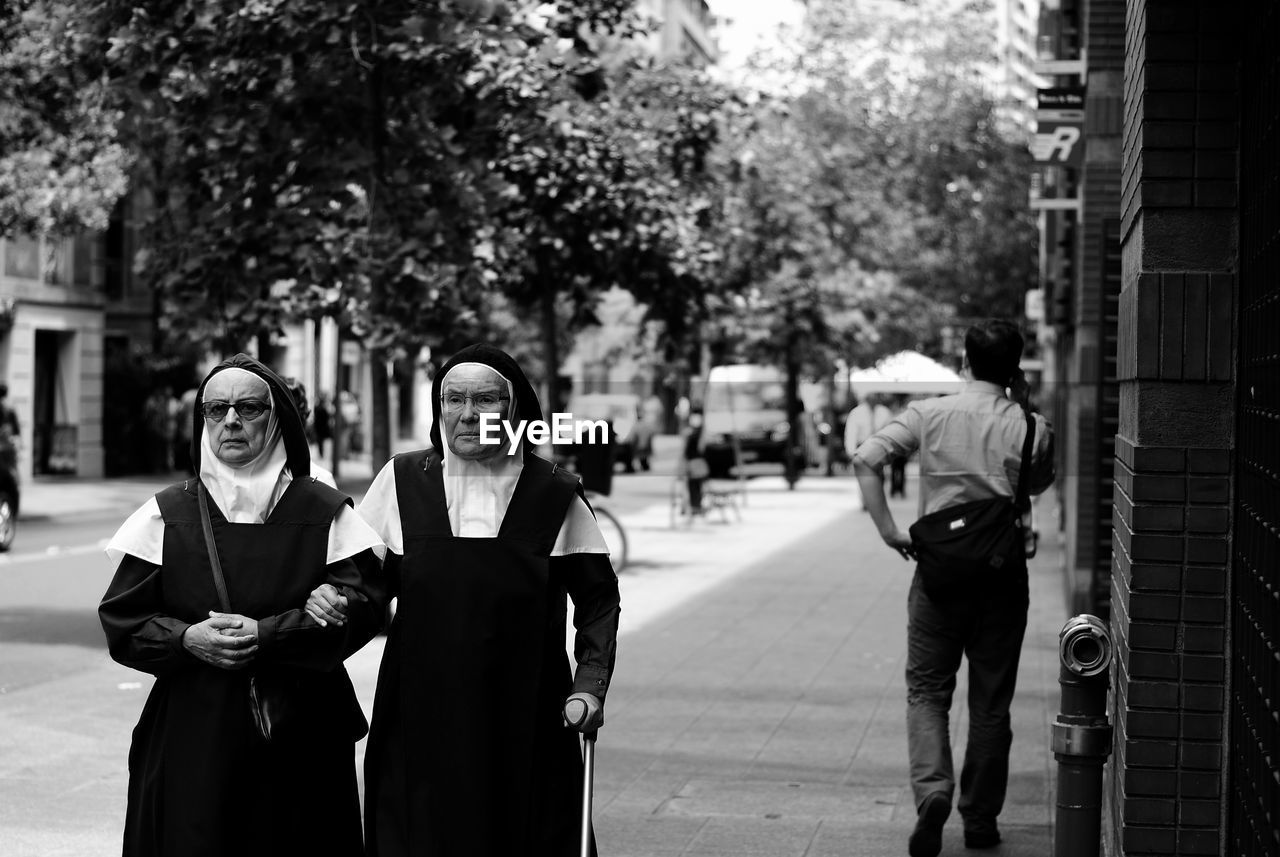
(327,605)
(228,641)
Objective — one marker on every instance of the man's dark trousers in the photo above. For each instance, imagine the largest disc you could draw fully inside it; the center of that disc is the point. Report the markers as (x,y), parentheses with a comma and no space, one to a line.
(988,630)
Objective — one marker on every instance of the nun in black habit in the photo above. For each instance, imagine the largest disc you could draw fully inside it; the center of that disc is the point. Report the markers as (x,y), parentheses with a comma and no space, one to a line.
(468,751)
(201,780)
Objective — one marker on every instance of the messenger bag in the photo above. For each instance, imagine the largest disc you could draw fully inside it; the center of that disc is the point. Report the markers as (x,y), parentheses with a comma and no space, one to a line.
(974,547)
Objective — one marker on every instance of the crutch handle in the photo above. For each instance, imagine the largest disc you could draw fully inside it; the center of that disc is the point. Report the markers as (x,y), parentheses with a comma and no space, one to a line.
(575,712)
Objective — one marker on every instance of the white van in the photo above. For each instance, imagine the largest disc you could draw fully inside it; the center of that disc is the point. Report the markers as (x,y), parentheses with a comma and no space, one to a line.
(747,402)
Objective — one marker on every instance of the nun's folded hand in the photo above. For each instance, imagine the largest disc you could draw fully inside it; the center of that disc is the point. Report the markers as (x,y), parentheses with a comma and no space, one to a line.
(224,640)
(327,605)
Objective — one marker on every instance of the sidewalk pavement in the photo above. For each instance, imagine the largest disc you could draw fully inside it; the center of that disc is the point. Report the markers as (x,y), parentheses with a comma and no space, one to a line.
(767,714)
(758,706)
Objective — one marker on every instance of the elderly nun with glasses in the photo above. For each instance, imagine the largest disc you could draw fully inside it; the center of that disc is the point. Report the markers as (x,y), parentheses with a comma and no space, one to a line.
(246,741)
(468,751)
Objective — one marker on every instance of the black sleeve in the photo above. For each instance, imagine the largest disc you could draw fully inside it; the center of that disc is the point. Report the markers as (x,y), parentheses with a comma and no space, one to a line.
(294,639)
(139,635)
(391,573)
(593,587)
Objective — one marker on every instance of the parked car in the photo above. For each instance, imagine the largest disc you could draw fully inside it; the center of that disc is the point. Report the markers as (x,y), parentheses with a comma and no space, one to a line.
(9,493)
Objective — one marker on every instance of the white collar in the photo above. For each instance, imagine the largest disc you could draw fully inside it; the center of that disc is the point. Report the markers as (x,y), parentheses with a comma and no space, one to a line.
(976,386)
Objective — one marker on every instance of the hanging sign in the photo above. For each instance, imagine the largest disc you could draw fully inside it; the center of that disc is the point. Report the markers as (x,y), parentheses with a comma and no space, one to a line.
(1059,127)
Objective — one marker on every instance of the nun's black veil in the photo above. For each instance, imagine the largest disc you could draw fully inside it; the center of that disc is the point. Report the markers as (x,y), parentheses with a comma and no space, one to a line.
(297,451)
(527,407)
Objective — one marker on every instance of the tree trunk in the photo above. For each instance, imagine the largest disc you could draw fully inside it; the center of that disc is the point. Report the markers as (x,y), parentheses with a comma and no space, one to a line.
(794,455)
(831,443)
(336,421)
(379,440)
(380,418)
(550,343)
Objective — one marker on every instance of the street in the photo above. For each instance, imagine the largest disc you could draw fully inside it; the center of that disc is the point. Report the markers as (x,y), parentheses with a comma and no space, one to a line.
(51,584)
(757,707)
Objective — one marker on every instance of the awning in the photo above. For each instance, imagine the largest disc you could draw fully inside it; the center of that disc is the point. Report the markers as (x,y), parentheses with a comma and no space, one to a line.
(907,372)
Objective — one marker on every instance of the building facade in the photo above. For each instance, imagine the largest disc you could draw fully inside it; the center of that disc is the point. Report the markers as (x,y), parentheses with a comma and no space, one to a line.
(1162,294)
(1012,76)
(1082,53)
(52,319)
(684,30)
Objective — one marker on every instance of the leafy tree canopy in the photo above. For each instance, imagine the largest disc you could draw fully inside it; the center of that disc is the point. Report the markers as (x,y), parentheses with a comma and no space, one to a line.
(62,168)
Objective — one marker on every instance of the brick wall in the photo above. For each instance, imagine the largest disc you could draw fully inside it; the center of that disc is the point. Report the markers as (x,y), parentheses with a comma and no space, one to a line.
(1173,519)
(1254,618)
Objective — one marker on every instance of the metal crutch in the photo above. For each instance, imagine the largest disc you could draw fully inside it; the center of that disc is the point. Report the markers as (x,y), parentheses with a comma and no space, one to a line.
(575,712)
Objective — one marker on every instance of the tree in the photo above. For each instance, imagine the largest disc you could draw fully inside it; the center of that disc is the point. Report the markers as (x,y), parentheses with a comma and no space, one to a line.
(870,196)
(316,159)
(916,172)
(62,168)
(883,162)
(605,179)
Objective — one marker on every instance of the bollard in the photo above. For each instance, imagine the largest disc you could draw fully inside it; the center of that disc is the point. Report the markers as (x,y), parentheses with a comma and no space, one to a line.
(1081,736)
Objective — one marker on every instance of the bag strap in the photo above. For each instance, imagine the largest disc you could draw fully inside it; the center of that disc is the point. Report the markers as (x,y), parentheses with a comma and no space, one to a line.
(1023,499)
(219,583)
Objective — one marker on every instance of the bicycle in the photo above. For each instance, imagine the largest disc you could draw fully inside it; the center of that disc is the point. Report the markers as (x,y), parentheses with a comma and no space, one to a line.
(615,536)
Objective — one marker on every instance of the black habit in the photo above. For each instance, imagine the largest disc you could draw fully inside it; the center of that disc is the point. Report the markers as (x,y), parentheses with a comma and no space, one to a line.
(201,782)
(468,753)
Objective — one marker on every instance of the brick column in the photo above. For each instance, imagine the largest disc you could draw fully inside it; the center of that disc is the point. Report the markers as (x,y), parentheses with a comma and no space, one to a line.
(1175,362)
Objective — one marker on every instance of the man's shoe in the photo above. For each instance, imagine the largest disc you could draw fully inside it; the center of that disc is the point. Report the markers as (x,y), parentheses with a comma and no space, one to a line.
(926,839)
(981,838)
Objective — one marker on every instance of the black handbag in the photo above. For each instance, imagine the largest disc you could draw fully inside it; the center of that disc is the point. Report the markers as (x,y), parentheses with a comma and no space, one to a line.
(977,546)
(273,700)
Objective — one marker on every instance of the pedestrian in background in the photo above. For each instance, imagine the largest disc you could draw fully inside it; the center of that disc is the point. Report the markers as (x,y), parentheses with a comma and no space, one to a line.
(10,430)
(468,753)
(970,447)
(866,418)
(10,433)
(352,440)
(183,409)
(203,778)
(898,464)
(158,417)
(694,460)
(298,391)
(323,421)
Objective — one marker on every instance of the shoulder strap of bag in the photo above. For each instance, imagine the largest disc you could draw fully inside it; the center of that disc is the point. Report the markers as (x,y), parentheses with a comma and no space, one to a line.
(219,583)
(1023,499)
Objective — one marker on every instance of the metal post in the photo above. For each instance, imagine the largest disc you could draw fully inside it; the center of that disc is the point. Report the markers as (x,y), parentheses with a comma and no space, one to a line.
(588,786)
(1081,735)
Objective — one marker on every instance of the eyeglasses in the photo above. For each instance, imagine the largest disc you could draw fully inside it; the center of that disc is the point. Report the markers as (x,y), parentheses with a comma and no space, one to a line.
(249,409)
(484,402)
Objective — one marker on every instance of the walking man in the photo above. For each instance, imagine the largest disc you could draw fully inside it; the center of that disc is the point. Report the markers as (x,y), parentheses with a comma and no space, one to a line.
(970,447)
